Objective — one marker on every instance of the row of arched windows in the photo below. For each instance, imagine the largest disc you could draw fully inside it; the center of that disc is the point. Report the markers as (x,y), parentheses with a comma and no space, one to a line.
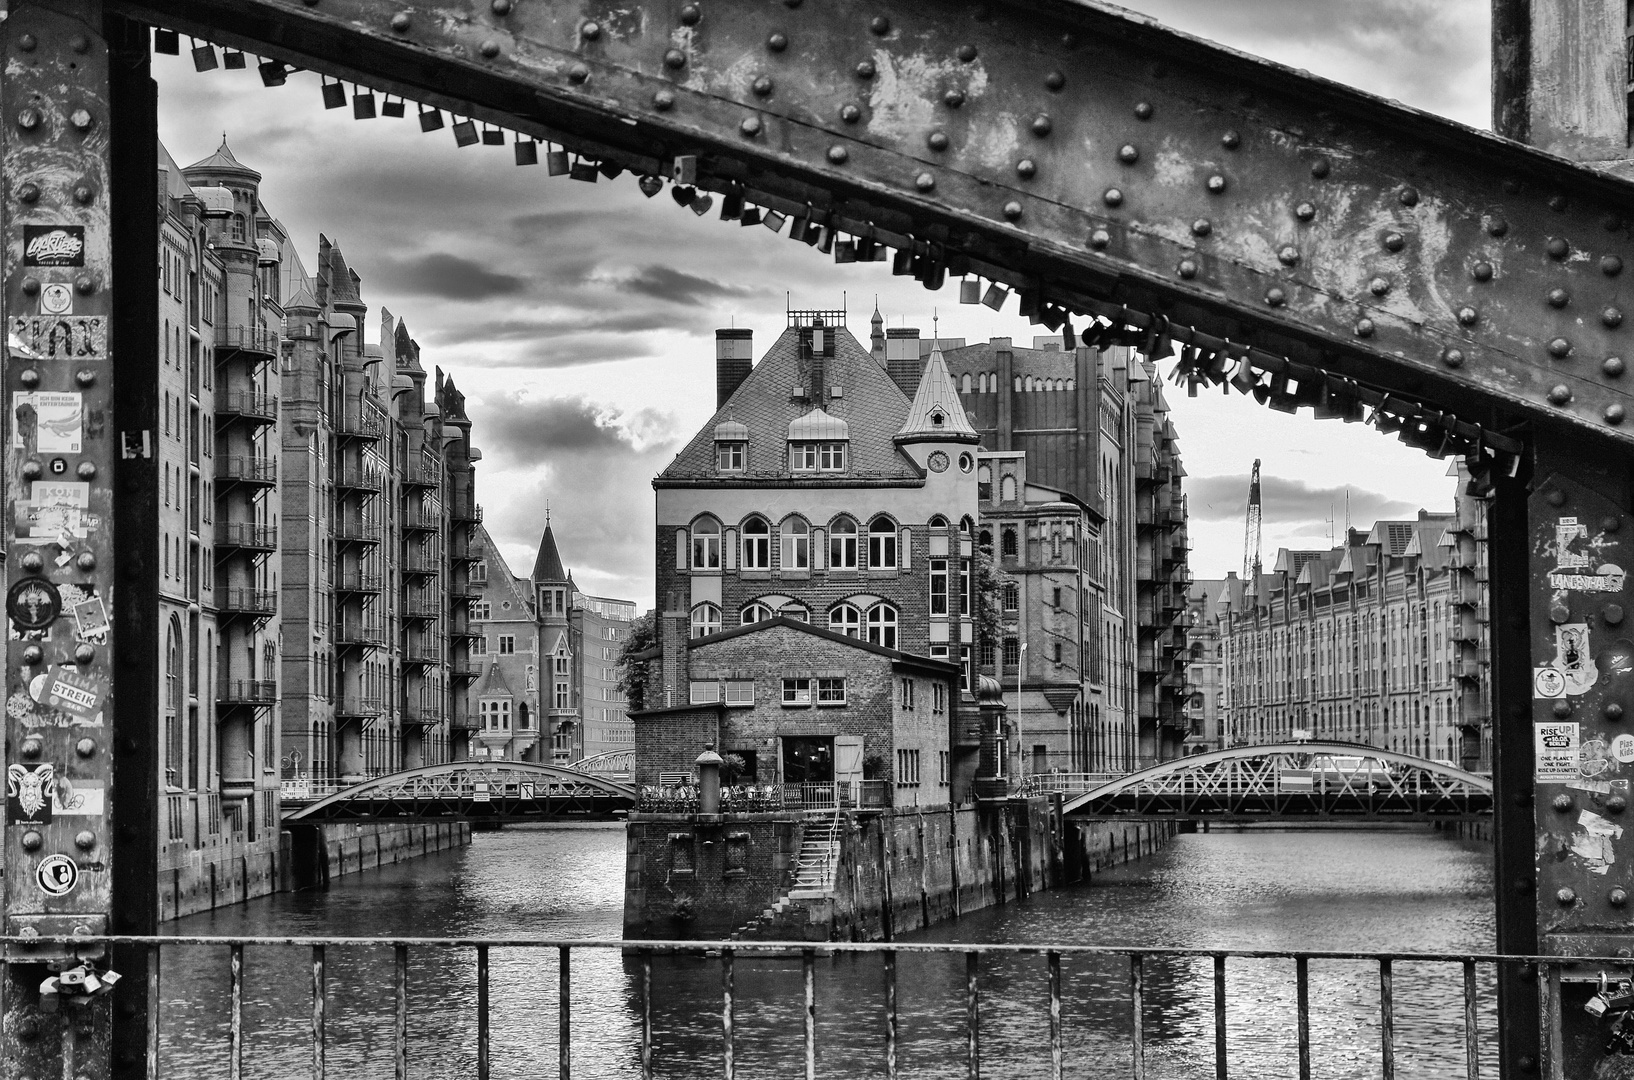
(848,545)
(987,382)
(877,625)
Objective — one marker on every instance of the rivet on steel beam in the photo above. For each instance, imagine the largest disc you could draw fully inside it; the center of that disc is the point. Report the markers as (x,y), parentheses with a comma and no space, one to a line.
(1026,169)
(1231,140)
(1305,211)
(1364,328)
(1201,227)
(32,469)
(761,86)
(85,561)
(937,140)
(952,99)
(1394,241)
(401,22)
(81,119)
(490,49)
(1565,896)
(590,31)
(1275,297)
(1379,286)
(1100,238)
(32,840)
(33,562)
(1055,80)
(1187,269)
(28,43)
(750,126)
(1012,211)
(1612,613)
(675,59)
(86,470)
(1560,348)
(80,43)
(1143,110)
(84,652)
(1613,414)
(1481,271)
(880,25)
(31,285)
(1288,255)
(925,182)
(1558,298)
(966,53)
(85,840)
(29,119)
(1041,125)
(28,192)
(32,655)
(578,73)
(1612,366)
(690,15)
(1562,709)
(850,113)
(1610,523)
(1557,203)
(1216,184)
(1556,497)
(1612,711)
(30,377)
(1617,897)
(1612,317)
(1497,227)
(1453,357)
(84,747)
(838,155)
(1128,154)
(1112,197)
(85,284)
(1408,196)
(865,70)
(1558,248)
(1611,265)
(663,100)
(777,42)
(1468,316)
(500,7)
(1560,394)
(85,377)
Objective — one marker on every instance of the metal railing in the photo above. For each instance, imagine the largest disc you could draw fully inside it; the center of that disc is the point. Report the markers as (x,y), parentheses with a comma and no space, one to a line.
(251,338)
(248,601)
(1043,783)
(247,691)
(248,468)
(765,798)
(992,982)
(360,421)
(245,534)
(248,403)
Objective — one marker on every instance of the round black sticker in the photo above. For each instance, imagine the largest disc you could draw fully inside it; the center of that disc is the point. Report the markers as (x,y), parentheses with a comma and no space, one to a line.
(33,604)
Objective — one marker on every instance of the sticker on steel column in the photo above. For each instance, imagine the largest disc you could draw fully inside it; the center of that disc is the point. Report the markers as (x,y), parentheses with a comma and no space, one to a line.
(90,620)
(28,793)
(1593,843)
(82,799)
(59,337)
(33,604)
(1555,752)
(53,245)
(57,875)
(1593,757)
(56,298)
(1575,666)
(1622,748)
(47,422)
(56,508)
(1577,560)
(1548,683)
(74,693)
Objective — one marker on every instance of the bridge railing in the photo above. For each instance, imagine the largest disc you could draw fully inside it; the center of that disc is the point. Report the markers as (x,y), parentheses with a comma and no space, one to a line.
(766,798)
(1070,782)
(1437,1009)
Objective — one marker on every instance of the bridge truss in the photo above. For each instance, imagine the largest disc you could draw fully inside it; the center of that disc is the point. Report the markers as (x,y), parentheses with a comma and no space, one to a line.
(1295,781)
(475,789)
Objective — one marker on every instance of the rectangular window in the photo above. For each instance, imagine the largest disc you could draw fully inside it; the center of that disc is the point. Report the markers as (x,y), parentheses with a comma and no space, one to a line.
(480,610)
(941,767)
(964,586)
(729,456)
(938,587)
(1012,652)
(964,668)
(796,691)
(907,768)
(479,646)
(831,691)
(796,546)
(563,701)
(507,645)
(561,665)
(740,692)
(817,457)
(938,698)
(938,652)
(706,693)
(907,694)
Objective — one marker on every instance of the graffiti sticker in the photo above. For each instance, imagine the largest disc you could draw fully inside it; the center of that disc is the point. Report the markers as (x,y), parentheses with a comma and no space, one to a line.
(28,793)
(57,875)
(1555,752)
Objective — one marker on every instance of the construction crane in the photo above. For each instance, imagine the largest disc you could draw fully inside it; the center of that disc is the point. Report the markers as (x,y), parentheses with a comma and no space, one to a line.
(1251,535)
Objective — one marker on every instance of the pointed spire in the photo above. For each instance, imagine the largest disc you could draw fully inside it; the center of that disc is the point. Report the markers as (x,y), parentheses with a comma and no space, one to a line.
(936,414)
(876,341)
(342,282)
(548,566)
(223,161)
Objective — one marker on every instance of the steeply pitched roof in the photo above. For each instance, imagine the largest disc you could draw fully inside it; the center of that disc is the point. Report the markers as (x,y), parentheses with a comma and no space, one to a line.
(492,683)
(548,565)
(342,283)
(936,412)
(223,161)
(870,404)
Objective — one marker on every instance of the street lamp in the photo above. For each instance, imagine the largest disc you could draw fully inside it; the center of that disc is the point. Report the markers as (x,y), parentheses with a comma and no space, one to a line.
(1021,660)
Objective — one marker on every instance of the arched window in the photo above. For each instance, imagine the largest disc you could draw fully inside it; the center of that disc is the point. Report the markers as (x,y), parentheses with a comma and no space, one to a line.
(756,612)
(882,625)
(842,544)
(984,483)
(1007,489)
(967,526)
(1009,541)
(964,384)
(937,521)
(1012,596)
(796,611)
(796,536)
(882,543)
(706,544)
(757,544)
(706,619)
(985,540)
(173,705)
(844,619)
(238,227)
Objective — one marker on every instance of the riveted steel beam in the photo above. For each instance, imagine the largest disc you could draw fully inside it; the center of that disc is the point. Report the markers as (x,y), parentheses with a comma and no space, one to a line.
(1063,146)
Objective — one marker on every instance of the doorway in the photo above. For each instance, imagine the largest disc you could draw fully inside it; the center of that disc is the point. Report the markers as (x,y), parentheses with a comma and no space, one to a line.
(808,759)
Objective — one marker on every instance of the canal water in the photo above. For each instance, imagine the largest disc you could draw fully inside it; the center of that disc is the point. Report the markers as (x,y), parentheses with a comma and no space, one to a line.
(1403,890)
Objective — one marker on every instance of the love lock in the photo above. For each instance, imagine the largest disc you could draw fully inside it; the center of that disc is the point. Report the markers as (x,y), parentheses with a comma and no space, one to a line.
(50,995)
(1615,1005)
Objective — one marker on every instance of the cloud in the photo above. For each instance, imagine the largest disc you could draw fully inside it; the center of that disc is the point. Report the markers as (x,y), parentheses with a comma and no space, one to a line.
(678,287)
(1284,502)
(527,427)
(447,276)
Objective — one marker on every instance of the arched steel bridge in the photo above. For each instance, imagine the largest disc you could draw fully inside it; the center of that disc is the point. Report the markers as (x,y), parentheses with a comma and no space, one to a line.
(509,790)
(615,764)
(1292,781)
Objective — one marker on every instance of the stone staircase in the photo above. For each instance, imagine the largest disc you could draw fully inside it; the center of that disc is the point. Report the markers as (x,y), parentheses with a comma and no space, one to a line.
(815,866)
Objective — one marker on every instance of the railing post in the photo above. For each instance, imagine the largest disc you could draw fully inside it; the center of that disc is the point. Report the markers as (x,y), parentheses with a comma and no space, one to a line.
(564,1013)
(973,1038)
(728,1065)
(890,1014)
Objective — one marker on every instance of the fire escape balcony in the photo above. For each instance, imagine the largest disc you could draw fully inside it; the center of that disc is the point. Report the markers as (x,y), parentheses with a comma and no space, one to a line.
(357,422)
(464,591)
(464,669)
(357,707)
(251,603)
(259,342)
(247,469)
(421,712)
(421,565)
(247,692)
(417,520)
(461,549)
(356,530)
(421,608)
(361,633)
(421,654)
(356,582)
(353,478)
(421,477)
(247,405)
(246,536)
(467,515)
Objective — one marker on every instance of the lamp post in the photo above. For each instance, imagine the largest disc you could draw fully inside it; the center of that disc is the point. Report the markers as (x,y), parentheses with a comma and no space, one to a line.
(1021,661)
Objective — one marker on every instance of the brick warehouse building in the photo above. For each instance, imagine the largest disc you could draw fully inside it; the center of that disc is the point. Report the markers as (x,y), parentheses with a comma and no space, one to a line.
(818,493)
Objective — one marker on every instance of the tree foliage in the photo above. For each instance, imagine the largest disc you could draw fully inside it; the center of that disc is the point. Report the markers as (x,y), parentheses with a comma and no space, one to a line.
(633,673)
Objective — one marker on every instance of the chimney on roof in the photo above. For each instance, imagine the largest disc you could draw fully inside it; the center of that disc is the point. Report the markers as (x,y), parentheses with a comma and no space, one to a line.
(902,361)
(734,357)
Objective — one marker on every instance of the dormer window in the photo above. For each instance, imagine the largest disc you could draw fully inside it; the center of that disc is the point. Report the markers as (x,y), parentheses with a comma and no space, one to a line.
(817,457)
(729,456)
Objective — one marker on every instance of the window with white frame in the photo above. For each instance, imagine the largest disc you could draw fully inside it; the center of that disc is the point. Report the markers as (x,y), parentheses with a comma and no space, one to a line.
(757,544)
(479,573)
(1012,596)
(706,619)
(907,694)
(942,767)
(831,691)
(495,713)
(845,619)
(706,544)
(729,456)
(480,610)
(706,692)
(938,587)
(882,625)
(816,457)
(563,698)
(740,692)
(559,664)
(796,541)
(756,612)
(907,768)
(964,586)
(938,698)
(479,646)
(507,644)
(842,544)
(796,691)
(882,543)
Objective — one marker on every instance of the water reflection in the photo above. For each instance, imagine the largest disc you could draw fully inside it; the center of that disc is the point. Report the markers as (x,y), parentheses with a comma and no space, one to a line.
(1352,890)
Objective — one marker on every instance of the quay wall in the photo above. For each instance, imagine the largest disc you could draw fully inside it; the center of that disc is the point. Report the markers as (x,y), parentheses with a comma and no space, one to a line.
(307,856)
(721,876)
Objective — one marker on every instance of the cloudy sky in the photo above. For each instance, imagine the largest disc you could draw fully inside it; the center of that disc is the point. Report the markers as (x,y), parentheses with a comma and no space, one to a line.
(579,319)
